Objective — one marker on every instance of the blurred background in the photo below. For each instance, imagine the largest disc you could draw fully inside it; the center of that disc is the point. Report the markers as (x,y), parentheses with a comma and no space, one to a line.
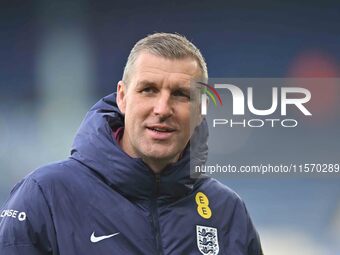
(57,58)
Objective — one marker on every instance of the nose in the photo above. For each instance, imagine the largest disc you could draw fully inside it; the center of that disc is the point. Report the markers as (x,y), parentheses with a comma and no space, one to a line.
(163,106)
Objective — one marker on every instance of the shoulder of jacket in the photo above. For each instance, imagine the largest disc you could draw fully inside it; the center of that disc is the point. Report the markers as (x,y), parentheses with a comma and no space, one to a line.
(218,189)
(54,172)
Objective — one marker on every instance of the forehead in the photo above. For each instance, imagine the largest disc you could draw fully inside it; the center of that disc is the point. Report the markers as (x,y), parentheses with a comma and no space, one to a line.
(159,69)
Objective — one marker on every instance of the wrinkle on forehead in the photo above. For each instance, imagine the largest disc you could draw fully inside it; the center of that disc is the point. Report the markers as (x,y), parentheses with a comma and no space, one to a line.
(186,68)
(172,79)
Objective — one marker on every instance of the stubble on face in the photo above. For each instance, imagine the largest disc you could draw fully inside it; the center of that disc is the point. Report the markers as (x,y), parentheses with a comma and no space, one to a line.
(158,107)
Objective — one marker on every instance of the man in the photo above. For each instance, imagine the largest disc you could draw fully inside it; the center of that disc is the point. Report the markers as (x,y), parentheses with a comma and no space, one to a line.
(126,188)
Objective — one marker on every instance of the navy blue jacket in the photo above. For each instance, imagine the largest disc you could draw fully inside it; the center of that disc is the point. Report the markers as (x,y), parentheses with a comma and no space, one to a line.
(101,201)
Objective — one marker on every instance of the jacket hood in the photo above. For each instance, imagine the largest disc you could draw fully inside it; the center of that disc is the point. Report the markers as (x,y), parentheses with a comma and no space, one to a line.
(95,147)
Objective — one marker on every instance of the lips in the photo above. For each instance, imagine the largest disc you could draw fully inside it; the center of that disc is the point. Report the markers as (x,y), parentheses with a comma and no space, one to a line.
(160,132)
(159,128)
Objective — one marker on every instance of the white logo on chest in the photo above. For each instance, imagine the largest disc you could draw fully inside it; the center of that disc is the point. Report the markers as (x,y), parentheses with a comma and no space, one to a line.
(95,239)
(207,240)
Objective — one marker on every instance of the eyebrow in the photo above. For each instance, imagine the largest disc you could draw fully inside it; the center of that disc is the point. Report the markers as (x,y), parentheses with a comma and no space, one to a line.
(176,86)
(146,82)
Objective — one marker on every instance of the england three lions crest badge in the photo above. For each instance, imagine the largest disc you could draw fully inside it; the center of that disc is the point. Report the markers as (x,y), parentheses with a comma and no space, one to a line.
(207,240)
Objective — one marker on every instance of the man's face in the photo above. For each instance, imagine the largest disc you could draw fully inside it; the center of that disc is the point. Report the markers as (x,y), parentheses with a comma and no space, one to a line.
(158,107)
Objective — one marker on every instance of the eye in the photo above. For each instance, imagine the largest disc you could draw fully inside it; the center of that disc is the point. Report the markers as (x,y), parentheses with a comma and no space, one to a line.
(148,90)
(181,94)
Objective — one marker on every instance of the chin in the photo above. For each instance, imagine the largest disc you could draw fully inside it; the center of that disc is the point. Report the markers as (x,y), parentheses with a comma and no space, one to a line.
(159,154)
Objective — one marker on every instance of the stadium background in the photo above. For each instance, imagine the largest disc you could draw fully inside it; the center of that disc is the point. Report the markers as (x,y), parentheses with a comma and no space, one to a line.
(57,58)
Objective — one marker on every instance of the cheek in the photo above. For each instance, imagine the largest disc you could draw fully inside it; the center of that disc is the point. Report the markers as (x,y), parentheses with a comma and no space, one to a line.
(186,124)
(134,115)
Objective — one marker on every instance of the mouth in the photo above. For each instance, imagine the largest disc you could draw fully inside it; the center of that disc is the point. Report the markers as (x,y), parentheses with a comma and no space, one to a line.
(160,132)
(162,129)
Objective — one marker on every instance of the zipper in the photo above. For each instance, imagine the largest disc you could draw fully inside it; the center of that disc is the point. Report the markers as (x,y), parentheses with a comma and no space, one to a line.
(154,214)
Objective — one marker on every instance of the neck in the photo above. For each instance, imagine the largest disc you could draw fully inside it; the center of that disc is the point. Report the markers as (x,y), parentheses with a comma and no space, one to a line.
(158,165)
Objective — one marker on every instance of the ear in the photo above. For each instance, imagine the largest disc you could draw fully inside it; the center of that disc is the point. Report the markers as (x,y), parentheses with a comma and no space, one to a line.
(200,119)
(121,96)
(196,117)
(200,116)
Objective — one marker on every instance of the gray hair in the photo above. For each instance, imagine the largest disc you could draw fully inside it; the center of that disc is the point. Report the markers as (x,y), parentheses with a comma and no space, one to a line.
(167,45)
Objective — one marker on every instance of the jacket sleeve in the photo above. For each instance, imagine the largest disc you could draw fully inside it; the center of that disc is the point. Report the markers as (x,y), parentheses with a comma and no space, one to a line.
(241,236)
(253,239)
(254,244)
(26,225)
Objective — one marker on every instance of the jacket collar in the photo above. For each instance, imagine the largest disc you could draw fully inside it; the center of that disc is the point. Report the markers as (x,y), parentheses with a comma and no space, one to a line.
(95,147)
